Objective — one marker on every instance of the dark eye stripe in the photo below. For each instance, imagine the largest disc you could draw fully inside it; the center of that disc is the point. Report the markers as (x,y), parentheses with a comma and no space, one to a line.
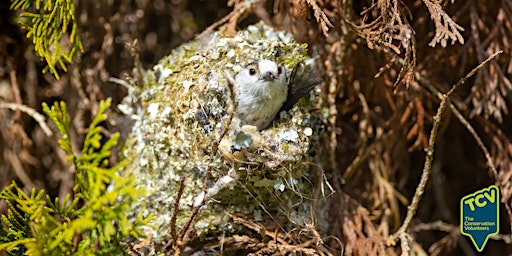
(279,70)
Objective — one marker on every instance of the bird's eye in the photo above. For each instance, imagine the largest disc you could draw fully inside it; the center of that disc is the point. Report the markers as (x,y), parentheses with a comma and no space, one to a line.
(279,70)
(252,71)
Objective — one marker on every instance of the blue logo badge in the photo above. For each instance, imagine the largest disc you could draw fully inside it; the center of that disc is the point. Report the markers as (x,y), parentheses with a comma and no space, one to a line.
(479,215)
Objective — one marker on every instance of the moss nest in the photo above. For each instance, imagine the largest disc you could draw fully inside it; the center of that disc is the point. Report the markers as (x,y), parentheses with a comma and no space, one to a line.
(186,132)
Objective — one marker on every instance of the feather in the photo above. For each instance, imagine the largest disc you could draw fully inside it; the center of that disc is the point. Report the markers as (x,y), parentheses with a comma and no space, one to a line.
(303,79)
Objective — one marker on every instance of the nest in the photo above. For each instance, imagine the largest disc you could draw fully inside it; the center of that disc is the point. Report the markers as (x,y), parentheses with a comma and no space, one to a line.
(188,151)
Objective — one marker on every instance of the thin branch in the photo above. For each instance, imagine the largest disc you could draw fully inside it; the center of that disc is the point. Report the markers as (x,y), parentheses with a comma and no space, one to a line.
(473,133)
(32,113)
(420,189)
(16,91)
(175,212)
(185,231)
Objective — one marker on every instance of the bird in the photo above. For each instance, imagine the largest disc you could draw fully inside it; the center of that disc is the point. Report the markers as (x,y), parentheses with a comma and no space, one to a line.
(263,89)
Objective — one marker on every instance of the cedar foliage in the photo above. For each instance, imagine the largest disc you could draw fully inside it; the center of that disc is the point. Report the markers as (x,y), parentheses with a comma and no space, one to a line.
(92,220)
(47,26)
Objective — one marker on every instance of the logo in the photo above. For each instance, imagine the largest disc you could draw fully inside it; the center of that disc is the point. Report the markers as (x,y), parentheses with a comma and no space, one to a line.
(479,215)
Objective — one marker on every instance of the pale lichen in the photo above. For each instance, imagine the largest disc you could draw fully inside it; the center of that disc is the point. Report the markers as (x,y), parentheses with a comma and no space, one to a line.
(182,108)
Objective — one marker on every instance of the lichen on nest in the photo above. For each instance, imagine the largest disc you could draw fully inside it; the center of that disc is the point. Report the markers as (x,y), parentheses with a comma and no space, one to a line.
(185,112)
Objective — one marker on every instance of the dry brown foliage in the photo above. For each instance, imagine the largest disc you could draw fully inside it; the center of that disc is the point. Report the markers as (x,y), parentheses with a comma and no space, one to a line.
(386,64)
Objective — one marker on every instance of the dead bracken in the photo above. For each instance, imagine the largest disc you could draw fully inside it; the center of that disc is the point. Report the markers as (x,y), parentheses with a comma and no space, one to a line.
(186,132)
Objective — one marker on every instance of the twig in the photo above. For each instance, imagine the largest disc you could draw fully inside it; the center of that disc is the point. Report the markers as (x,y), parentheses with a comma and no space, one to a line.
(475,135)
(185,231)
(500,237)
(16,91)
(174,216)
(420,189)
(16,127)
(258,228)
(231,84)
(31,112)
(133,48)
(487,155)
(231,19)
(18,169)
(362,152)
(437,226)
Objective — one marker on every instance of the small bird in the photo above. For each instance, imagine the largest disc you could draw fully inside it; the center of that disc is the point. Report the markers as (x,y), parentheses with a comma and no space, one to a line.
(263,89)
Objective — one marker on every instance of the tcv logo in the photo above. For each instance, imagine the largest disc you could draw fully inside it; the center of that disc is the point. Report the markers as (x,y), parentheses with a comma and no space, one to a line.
(479,215)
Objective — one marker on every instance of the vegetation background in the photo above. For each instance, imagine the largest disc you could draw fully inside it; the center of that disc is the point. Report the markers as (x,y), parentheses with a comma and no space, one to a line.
(383,64)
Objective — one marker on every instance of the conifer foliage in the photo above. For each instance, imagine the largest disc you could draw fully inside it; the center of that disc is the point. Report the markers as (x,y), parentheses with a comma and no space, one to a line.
(93,220)
(47,23)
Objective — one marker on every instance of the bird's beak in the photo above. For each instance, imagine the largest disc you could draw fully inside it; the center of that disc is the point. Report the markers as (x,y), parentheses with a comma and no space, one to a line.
(268,76)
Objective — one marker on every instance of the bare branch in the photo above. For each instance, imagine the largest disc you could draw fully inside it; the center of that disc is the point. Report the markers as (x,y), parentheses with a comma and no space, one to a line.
(427,168)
